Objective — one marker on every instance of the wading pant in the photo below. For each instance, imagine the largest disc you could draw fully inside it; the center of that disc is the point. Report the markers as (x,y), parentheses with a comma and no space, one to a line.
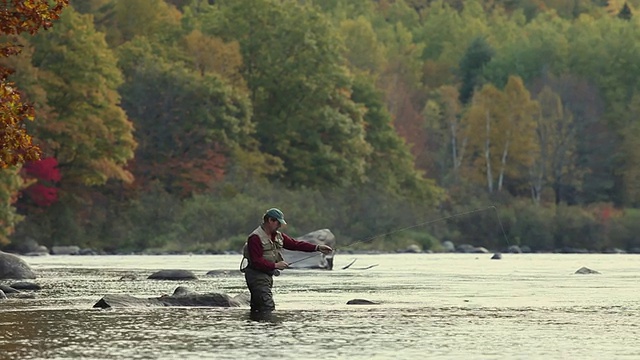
(260,284)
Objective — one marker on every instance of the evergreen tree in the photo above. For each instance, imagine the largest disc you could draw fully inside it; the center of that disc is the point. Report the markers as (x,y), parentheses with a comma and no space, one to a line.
(478,54)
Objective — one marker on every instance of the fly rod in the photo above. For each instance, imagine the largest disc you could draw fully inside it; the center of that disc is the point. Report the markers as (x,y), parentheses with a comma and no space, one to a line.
(417,225)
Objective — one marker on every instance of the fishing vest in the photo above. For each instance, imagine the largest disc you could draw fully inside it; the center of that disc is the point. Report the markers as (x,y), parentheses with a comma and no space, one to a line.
(271,249)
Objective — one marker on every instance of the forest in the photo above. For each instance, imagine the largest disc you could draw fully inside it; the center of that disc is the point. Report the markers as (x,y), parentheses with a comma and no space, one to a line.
(172,125)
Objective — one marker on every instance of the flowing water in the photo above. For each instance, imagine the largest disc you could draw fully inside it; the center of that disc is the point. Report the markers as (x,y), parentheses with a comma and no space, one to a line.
(435,306)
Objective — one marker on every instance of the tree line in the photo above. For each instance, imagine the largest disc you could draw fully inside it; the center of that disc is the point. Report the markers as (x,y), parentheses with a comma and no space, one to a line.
(174,124)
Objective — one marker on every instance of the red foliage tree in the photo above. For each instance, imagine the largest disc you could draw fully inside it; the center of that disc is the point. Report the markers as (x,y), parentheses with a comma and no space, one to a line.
(18,16)
(44,192)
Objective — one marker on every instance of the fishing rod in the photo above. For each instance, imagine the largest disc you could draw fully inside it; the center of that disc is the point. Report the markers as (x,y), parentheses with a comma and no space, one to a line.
(417,225)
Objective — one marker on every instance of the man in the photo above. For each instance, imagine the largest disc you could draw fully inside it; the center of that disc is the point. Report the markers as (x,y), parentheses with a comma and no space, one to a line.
(263,254)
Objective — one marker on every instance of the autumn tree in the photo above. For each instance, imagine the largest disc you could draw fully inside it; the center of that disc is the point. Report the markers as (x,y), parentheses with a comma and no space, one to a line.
(90,135)
(555,163)
(363,50)
(10,184)
(517,132)
(16,144)
(121,21)
(299,87)
(401,81)
(484,116)
(42,193)
(188,124)
(212,55)
(502,127)
(390,166)
(19,16)
(448,130)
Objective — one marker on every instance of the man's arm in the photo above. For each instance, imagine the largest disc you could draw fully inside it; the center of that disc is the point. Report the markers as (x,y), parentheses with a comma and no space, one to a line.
(292,244)
(256,259)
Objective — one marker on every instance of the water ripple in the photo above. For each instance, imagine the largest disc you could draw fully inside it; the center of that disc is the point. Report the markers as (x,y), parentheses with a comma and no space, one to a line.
(431,306)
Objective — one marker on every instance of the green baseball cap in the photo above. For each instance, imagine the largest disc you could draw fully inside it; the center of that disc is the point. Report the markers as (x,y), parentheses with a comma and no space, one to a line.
(276,214)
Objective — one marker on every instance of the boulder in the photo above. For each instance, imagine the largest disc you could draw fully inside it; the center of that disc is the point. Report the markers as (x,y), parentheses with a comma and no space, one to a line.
(25,285)
(361,302)
(413,249)
(2,295)
(304,260)
(13,267)
(173,275)
(65,250)
(496,256)
(447,246)
(584,271)
(39,251)
(180,297)
(514,249)
(87,252)
(223,272)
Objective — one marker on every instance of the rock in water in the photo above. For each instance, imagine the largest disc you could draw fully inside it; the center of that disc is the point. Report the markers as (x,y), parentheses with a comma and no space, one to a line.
(585,270)
(173,275)
(361,302)
(24,285)
(180,297)
(304,260)
(12,267)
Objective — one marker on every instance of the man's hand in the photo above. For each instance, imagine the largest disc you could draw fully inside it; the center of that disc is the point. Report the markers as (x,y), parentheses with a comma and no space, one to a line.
(281,265)
(325,249)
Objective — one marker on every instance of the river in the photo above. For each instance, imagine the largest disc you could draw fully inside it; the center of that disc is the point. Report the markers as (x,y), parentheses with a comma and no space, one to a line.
(434,306)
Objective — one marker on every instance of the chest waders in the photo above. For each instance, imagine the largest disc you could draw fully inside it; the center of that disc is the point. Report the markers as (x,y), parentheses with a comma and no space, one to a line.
(260,282)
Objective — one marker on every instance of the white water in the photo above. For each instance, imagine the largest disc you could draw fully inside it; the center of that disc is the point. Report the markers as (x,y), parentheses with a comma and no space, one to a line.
(436,306)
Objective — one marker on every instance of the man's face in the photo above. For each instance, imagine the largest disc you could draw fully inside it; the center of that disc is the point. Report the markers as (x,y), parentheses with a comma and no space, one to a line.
(274,225)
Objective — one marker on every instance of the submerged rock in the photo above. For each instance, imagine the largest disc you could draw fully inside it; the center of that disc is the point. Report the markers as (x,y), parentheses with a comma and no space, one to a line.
(585,270)
(24,285)
(361,302)
(128,277)
(180,297)
(9,292)
(173,275)
(223,272)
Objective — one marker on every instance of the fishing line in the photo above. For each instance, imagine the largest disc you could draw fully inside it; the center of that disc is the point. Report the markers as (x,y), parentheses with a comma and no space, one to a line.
(416,225)
(501,227)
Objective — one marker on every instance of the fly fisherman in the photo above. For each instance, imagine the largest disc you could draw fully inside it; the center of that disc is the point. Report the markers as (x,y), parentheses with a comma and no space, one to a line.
(263,254)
